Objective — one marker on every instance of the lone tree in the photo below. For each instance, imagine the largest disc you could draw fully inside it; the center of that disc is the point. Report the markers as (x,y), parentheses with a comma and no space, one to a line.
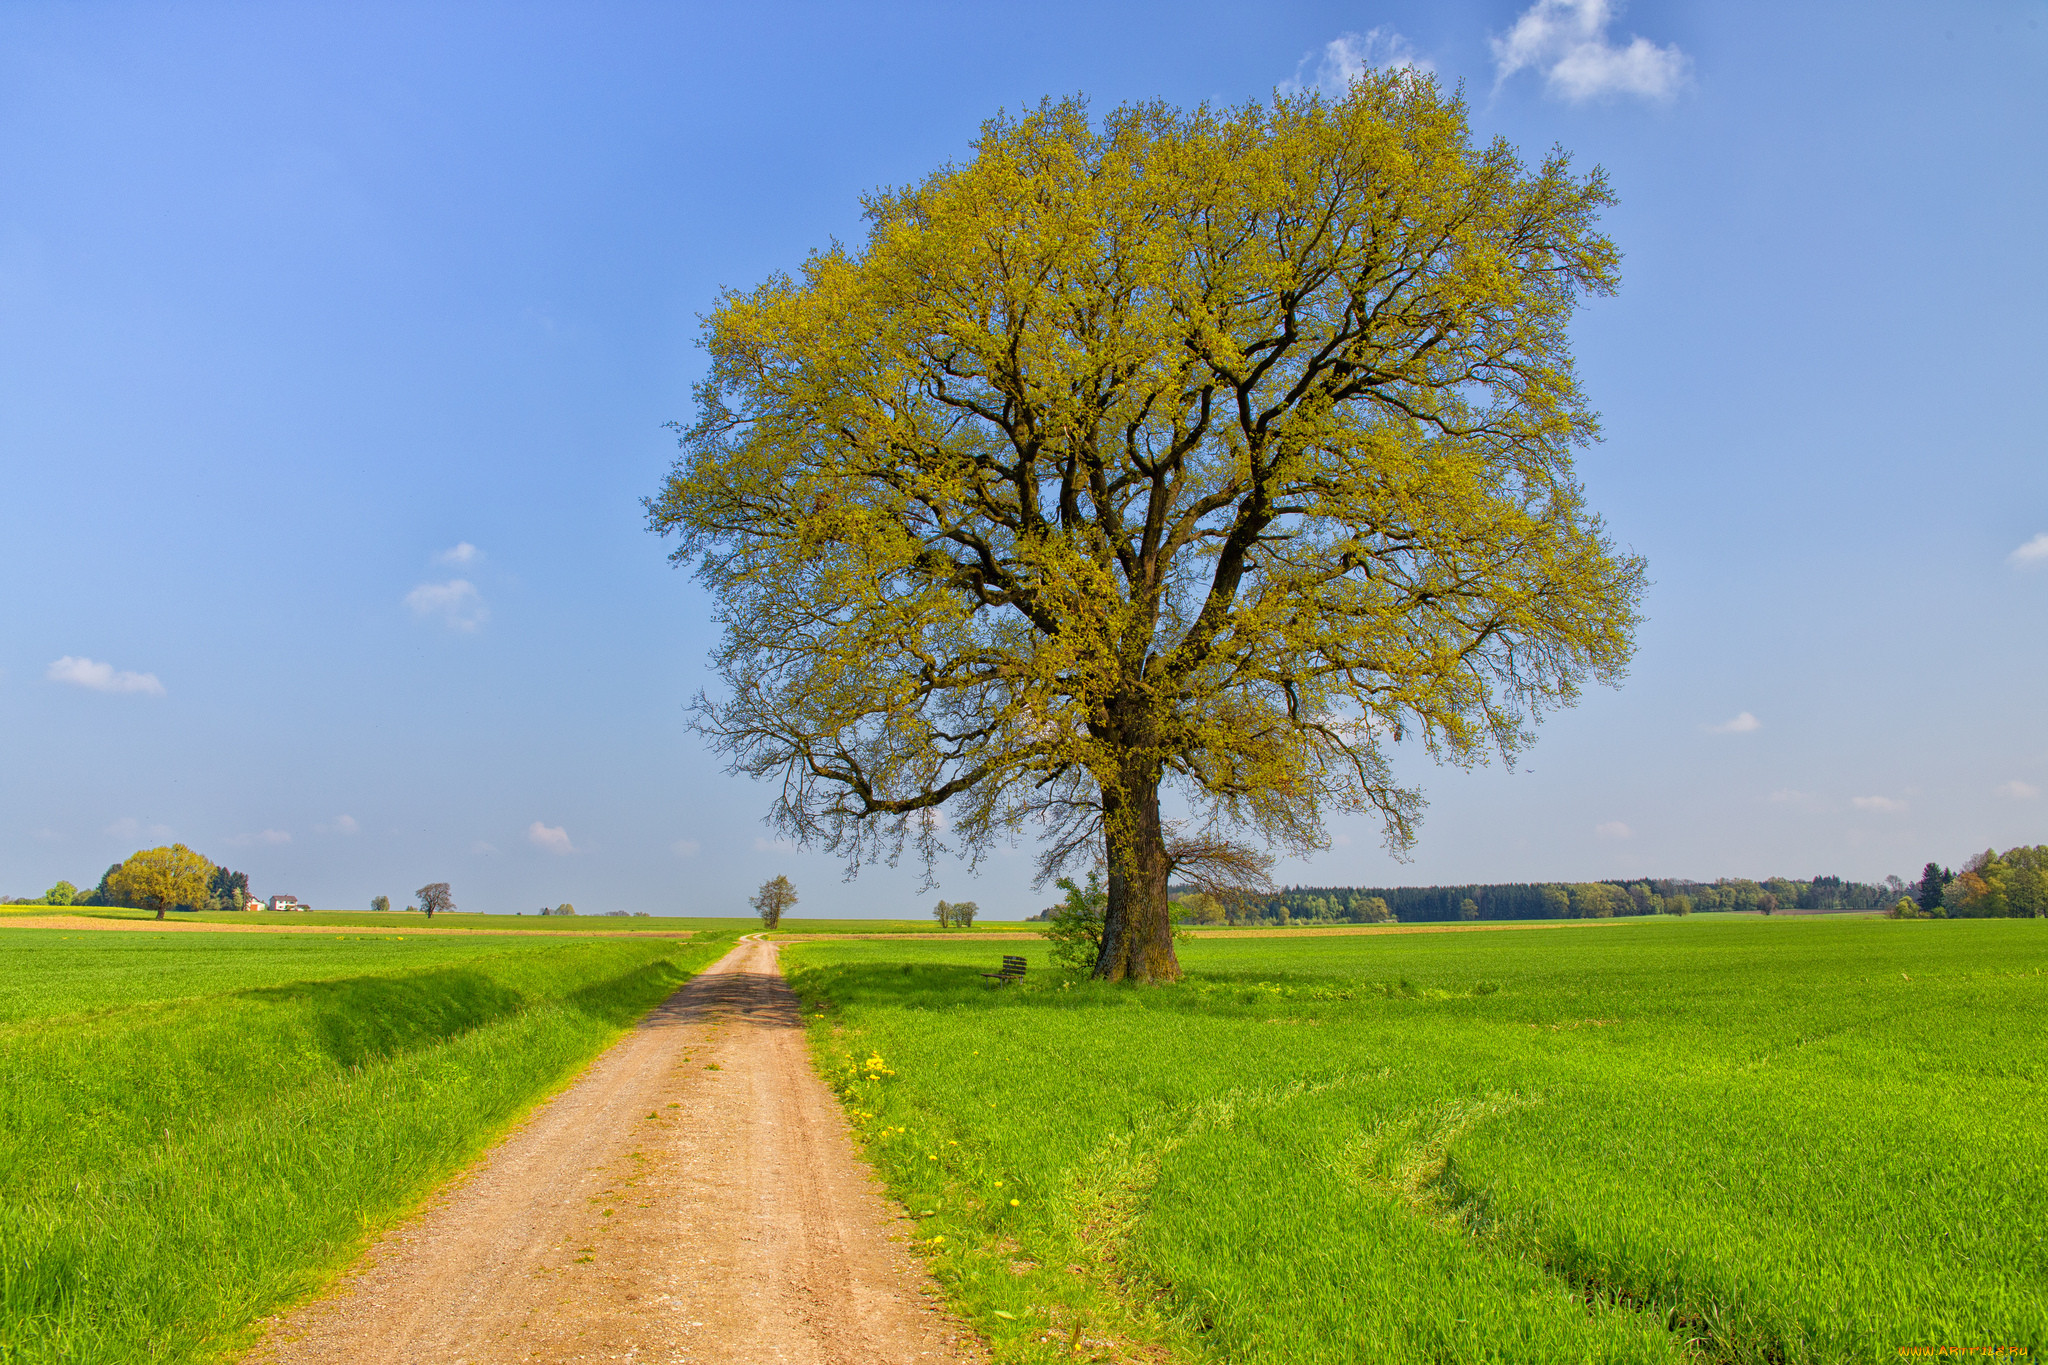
(1213,451)
(380,904)
(160,878)
(943,913)
(435,896)
(773,900)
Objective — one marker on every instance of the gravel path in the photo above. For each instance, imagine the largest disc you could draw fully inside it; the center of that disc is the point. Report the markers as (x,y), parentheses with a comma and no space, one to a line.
(694,1196)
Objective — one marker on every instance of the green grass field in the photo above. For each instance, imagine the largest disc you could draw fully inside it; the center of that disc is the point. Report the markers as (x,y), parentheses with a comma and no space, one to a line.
(794,924)
(1789,1141)
(398,921)
(198,1128)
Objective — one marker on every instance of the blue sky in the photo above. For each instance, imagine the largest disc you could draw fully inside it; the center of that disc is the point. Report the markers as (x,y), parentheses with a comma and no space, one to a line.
(337,344)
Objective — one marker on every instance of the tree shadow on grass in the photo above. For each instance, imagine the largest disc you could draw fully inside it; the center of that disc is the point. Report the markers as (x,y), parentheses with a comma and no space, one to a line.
(364,1019)
(624,998)
(935,986)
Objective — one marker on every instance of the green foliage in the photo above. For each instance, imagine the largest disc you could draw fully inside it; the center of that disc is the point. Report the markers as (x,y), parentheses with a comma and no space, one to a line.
(63,893)
(1468,909)
(196,1129)
(943,913)
(1594,900)
(1801,1141)
(380,905)
(1996,886)
(227,891)
(1212,447)
(1075,928)
(159,879)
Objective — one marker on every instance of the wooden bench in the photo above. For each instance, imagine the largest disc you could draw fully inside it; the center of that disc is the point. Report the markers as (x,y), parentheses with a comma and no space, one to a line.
(1013,970)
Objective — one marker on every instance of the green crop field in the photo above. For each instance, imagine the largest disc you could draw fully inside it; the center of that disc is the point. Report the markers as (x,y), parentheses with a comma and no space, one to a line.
(1753,1140)
(197,1128)
(794,924)
(399,921)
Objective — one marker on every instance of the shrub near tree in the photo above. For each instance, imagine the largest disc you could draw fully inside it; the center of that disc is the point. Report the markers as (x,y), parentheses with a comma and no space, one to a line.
(1214,451)
(1074,930)
(162,879)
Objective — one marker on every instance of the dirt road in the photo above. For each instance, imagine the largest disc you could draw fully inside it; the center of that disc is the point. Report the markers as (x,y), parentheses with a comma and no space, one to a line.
(693,1197)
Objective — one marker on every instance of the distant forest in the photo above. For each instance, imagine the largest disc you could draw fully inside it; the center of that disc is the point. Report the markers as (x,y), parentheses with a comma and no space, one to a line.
(1541,900)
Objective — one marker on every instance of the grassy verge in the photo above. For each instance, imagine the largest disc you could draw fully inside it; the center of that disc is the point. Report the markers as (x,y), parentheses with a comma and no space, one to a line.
(197,1129)
(1805,1140)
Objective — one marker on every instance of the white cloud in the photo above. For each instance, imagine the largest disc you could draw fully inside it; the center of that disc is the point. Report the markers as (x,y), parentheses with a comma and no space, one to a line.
(341,824)
(1567,41)
(457,602)
(465,553)
(128,827)
(1884,805)
(268,836)
(100,677)
(2017,790)
(684,848)
(1348,56)
(1614,829)
(2033,552)
(1743,724)
(553,838)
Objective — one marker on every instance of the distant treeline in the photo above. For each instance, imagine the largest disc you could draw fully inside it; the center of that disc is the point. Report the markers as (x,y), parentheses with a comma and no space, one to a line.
(225,890)
(1544,900)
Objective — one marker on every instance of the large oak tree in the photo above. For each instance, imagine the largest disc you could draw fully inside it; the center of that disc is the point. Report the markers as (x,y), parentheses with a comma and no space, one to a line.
(1211,451)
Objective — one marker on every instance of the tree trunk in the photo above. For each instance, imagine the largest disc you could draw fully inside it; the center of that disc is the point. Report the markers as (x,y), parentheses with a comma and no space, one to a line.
(159,912)
(1137,935)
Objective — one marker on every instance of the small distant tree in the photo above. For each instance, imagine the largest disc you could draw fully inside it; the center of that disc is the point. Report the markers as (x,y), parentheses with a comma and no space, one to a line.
(1907,908)
(1932,880)
(565,909)
(434,896)
(63,893)
(1468,908)
(1199,907)
(380,904)
(774,900)
(230,889)
(964,913)
(1767,903)
(161,878)
(943,913)
(1373,910)
(1678,905)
